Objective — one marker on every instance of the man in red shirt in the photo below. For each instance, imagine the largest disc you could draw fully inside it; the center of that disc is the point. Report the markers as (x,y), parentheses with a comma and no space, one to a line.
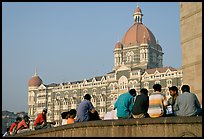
(14,125)
(41,121)
(24,125)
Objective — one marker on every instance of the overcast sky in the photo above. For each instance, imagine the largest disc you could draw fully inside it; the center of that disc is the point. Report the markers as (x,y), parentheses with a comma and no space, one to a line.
(74,41)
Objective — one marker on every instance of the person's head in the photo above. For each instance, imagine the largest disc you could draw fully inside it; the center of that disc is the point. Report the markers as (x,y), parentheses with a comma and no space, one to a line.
(87,97)
(173,90)
(64,115)
(72,113)
(26,118)
(185,88)
(157,87)
(18,119)
(44,111)
(132,92)
(144,91)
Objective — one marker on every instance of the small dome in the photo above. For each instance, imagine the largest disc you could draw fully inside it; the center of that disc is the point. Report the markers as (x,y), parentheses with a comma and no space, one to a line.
(118,45)
(138,10)
(35,81)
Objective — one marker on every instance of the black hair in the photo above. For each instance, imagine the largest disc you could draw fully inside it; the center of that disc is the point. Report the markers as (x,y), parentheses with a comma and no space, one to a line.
(18,119)
(132,92)
(87,97)
(64,114)
(73,112)
(173,88)
(157,87)
(185,88)
(94,116)
(144,91)
(26,118)
(45,110)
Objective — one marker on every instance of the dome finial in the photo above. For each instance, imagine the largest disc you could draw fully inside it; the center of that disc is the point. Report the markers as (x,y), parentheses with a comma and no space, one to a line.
(35,71)
(137,4)
(138,15)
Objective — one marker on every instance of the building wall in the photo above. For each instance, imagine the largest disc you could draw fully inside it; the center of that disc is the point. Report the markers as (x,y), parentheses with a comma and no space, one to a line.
(191,44)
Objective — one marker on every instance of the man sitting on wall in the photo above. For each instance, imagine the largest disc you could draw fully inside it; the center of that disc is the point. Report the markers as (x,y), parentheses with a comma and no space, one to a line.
(41,121)
(124,104)
(84,108)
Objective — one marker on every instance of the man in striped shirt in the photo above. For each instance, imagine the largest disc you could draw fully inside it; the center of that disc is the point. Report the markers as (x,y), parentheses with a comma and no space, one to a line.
(157,102)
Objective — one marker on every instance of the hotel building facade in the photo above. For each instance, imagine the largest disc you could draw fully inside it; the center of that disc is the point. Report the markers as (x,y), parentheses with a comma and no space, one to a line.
(138,63)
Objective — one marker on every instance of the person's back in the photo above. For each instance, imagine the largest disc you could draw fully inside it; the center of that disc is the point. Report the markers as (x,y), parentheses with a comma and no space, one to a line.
(141,104)
(187,103)
(157,102)
(13,127)
(23,125)
(41,118)
(83,109)
(124,104)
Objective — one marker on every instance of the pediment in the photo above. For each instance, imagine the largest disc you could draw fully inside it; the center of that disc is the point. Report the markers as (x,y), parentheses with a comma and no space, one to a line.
(42,86)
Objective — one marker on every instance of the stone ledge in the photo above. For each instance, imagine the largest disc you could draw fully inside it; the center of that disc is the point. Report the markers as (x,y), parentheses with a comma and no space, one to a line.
(101,124)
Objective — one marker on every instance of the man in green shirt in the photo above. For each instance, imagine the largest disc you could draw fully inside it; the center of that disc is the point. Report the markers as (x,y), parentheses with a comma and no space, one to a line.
(124,104)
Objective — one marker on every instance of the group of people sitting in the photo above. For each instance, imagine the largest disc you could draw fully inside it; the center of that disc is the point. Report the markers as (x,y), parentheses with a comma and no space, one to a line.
(156,103)
(20,125)
(23,125)
(127,106)
(84,112)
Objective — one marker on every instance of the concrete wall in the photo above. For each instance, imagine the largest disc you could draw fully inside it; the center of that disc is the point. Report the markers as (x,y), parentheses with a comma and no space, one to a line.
(191,44)
(144,127)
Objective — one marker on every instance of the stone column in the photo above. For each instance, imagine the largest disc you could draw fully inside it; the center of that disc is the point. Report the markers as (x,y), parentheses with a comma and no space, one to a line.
(191,45)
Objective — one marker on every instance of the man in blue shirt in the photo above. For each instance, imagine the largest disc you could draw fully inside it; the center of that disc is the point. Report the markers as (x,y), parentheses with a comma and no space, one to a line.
(124,104)
(84,108)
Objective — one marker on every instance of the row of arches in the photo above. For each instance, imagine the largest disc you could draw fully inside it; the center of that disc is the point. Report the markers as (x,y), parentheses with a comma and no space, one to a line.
(123,84)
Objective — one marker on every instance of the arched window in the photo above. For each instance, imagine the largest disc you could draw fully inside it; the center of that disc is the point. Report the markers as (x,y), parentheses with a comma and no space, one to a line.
(123,82)
(94,100)
(128,57)
(169,83)
(131,56)
(73,103)
(146,85)
(157,82)
(102,101)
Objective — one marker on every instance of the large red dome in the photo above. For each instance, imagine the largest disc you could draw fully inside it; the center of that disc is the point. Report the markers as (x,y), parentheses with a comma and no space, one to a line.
(35,81)
(136,34)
